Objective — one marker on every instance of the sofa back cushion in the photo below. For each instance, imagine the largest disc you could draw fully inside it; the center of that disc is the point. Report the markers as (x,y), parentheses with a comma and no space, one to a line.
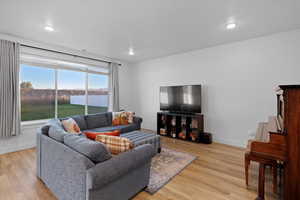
(97,120)
(95,151)
(80,120)
(57,133)
(52,122)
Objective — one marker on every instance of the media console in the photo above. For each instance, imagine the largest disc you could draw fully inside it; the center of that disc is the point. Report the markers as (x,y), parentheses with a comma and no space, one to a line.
(189,127)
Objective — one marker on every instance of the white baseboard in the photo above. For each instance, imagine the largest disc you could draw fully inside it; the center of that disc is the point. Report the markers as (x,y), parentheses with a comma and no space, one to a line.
(26,140)
(235,143)
(16,148)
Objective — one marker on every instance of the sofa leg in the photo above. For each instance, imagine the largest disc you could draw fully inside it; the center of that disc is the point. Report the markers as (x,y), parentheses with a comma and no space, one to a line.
(159,150)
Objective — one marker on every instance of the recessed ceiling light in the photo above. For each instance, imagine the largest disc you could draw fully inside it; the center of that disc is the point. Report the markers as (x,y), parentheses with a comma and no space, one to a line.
(131,52)
(231,26)
(49,28)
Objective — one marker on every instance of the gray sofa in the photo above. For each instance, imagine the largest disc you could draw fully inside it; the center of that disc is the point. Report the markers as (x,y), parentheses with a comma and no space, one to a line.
(72,170)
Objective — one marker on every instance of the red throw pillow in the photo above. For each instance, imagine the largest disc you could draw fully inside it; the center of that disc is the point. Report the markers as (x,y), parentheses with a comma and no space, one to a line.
(93,135)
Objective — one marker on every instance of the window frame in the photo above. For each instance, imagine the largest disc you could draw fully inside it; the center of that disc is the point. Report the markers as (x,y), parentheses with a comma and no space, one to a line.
(56,68)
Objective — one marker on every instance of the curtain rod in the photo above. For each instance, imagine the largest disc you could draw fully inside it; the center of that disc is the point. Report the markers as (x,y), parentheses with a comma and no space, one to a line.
(69,54)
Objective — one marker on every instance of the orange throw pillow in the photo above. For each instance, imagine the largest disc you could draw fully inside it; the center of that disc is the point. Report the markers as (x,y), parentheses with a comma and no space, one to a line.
(116,119)
(93,135)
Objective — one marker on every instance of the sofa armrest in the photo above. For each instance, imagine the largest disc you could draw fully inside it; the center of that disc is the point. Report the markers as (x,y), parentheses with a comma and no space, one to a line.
(137,120)
(110,170)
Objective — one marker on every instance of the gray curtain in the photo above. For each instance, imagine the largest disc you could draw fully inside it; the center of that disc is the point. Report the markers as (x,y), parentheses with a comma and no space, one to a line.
(9,89)
(114,88)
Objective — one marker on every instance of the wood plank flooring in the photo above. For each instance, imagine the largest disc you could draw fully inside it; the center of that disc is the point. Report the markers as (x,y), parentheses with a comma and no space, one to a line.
(217,174)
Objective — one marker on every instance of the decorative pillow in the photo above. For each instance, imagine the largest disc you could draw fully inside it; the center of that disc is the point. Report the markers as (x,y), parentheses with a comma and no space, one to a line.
(122,118)
(115,144)
(92,135)
(116,118)
(71,126)
(95,151)
(130,116)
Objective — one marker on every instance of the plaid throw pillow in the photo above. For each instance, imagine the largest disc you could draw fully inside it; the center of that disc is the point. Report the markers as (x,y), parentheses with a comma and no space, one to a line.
(115,144)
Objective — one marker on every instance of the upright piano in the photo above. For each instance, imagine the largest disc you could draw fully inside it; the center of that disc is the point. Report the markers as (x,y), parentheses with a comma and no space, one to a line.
(278,141)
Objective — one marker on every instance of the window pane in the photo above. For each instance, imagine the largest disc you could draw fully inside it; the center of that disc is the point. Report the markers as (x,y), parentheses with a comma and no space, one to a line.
(71,93)
(37,93)
(97,93)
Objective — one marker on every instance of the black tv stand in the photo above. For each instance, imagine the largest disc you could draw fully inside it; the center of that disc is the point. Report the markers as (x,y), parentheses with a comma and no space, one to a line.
(184,126)
(181,113)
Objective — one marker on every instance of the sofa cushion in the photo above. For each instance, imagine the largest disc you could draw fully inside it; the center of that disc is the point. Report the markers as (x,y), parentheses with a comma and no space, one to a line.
(95,151)
(80,120)
(57,133)
(122,128)
(97,120)
(139,138)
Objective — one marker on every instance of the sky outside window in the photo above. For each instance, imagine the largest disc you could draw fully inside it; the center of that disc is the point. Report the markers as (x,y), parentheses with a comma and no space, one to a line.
(67,79)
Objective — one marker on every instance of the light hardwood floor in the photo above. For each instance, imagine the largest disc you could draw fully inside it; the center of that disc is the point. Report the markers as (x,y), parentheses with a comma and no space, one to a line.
(217,174)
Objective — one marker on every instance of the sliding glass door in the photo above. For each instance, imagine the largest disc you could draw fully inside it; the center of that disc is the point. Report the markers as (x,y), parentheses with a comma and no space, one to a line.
(37,91)
(97,93)
(48,92)
(71,97)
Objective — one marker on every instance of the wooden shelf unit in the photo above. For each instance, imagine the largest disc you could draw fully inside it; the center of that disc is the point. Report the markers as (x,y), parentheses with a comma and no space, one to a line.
(189,127)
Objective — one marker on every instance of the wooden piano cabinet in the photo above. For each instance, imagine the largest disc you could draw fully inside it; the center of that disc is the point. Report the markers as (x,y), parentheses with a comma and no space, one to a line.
(261,180)
(291,95)
(283,144)
(249,156)
(275,149)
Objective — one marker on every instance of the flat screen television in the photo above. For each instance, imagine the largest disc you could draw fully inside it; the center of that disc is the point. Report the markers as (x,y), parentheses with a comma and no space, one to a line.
(183,99)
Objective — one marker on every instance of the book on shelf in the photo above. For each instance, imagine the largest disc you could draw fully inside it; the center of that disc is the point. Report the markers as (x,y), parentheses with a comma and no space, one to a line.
(163,120)
(173,132)
(194,123)
(173,122)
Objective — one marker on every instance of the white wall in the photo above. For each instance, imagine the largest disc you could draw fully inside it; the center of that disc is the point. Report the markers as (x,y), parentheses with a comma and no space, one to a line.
(125,86)
(24,141)
(238,82)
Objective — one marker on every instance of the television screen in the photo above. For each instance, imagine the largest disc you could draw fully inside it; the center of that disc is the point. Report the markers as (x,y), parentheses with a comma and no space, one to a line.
(185,98)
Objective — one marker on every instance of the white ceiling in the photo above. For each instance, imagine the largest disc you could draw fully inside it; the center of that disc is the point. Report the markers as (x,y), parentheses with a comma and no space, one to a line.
(154,28)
